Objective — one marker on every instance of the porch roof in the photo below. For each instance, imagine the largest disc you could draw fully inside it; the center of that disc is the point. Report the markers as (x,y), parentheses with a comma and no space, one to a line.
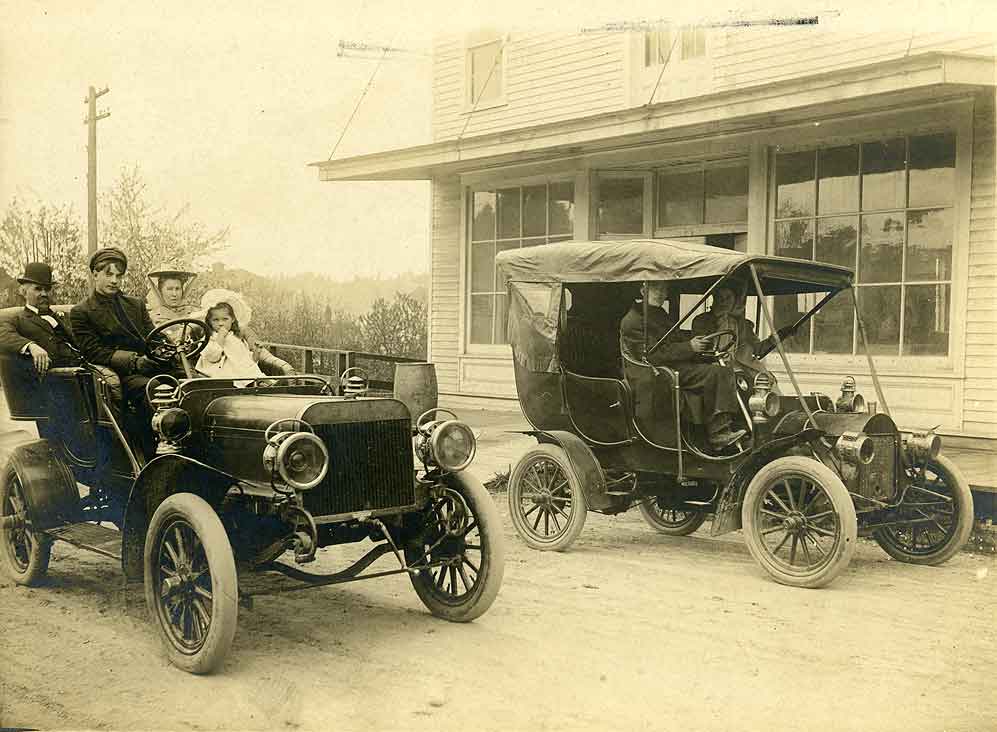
(922,78)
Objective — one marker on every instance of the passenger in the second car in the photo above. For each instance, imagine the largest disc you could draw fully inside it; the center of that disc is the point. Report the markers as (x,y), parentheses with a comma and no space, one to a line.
(232,351)
(165,300)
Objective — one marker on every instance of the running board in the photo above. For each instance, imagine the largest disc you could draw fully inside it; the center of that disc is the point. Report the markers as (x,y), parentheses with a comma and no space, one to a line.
(101,539)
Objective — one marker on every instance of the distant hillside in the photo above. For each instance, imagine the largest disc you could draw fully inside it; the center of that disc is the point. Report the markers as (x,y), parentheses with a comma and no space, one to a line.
(354,296)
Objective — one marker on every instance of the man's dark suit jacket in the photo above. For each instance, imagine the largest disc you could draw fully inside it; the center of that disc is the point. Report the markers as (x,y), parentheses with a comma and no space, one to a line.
(673,351)
(28,326)
(101,335)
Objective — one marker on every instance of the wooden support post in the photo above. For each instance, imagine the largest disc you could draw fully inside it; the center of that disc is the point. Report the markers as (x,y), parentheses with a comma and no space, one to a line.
(309,361)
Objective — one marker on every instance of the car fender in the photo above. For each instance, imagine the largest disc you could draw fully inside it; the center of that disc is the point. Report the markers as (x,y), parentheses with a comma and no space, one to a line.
(727,516)
(584,463)
(160,478)
(48,484)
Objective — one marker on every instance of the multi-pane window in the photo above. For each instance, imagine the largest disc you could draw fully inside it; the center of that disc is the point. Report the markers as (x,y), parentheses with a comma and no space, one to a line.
(509,218)
(484,68)
(693,43)
(883,208)
(657,46)
(714,194)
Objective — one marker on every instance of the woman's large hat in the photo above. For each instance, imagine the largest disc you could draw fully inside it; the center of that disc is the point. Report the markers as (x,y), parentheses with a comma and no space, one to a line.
(211,298)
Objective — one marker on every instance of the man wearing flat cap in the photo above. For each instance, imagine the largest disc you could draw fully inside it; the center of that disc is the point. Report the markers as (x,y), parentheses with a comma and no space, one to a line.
(37,331)
(110,327)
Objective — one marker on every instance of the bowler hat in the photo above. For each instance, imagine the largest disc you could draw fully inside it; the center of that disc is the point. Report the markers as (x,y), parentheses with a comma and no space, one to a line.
(108,254)
(38,273)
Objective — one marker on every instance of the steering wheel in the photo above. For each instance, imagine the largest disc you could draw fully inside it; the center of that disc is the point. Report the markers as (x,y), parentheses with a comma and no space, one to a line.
(725,350)
(430,415)
(164,344)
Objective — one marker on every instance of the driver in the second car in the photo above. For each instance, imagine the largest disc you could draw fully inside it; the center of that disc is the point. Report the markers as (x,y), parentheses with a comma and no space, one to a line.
(714,382)
(110,327)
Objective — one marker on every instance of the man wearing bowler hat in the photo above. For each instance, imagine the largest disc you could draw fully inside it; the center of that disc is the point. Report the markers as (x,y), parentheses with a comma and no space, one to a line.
(110,327)
(37,331)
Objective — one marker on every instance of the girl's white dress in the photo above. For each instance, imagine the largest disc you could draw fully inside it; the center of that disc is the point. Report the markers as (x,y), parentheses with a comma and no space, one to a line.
(228,357)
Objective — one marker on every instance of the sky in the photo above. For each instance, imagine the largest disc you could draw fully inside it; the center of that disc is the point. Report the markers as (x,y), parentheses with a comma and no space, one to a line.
(223,105)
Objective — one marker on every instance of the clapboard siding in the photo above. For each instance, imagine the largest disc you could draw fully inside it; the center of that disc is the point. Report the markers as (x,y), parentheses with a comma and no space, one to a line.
(445,304)
(549,76)
(980,393)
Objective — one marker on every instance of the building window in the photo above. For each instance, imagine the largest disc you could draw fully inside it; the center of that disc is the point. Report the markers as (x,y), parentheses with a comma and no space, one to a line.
(484,72)
(693,43)
(883,208)
(657,46)
(509,218)
(621,206)
(705,194)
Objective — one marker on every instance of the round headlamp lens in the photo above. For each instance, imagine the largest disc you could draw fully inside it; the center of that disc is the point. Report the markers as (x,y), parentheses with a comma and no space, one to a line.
(453,445)
(171,424)
(302,460)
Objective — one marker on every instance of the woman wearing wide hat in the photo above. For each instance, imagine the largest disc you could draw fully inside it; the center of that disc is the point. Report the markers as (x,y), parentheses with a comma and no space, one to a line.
(166,300)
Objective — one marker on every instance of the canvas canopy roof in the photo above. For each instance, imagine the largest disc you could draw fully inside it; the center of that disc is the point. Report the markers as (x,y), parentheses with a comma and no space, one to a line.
(636,260)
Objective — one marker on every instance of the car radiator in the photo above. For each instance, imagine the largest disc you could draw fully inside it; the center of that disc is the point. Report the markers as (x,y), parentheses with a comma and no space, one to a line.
(878,479)
(370,467)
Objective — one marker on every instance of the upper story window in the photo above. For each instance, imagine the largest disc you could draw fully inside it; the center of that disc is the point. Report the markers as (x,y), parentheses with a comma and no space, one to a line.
(657,45)
(484,73)
(693,43)
(885,209)
(509,218)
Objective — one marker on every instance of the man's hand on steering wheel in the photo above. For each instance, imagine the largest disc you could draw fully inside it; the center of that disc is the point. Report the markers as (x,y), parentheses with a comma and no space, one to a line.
(713,349)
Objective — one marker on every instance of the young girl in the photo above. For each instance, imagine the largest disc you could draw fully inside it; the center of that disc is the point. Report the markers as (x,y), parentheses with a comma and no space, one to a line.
(229,353)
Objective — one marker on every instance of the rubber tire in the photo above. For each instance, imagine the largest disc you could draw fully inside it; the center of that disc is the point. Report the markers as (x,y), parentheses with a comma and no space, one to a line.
(41,547)
(649,514)
(964,516)
(576,522)
(492,556)
(224,581)
(841,501)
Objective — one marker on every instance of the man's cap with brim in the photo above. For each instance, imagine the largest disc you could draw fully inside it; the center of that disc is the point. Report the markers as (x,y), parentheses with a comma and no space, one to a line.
(108,254)
(38,273)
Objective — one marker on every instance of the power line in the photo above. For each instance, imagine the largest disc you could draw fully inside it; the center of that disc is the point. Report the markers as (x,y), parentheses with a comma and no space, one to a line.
(664,66)
(384,53)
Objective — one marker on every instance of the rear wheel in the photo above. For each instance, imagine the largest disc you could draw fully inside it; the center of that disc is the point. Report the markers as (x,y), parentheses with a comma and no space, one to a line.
(668,520)
(938,508)
(461,541)
(546,501)
(191,586)
(799,522)
(24,554)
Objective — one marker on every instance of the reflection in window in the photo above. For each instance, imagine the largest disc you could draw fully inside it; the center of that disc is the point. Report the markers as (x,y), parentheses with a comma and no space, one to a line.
(509,218)
(710,194)
(848,205)
(621,206)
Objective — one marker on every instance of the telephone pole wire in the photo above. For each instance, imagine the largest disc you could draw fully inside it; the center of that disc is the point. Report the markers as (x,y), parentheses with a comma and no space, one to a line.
(91,121)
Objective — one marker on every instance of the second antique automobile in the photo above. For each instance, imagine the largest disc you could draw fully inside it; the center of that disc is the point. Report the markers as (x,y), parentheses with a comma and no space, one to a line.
(243,473)
(614,430)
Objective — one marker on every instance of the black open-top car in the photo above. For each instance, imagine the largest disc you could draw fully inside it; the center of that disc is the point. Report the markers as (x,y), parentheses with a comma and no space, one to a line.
(243,473)
(614,429)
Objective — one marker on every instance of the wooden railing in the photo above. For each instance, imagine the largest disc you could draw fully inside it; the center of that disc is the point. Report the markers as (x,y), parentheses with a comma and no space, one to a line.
(331,361)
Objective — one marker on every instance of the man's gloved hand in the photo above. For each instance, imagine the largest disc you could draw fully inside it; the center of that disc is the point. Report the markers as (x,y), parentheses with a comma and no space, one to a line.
(763,348)
(701,344)
(146,366)
(40,358)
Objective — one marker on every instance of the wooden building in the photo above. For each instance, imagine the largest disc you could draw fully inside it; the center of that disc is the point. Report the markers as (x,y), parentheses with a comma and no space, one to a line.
(876,151)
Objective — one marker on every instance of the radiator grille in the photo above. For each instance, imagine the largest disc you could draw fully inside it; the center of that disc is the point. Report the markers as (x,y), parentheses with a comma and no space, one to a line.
(370,467)
(878,478)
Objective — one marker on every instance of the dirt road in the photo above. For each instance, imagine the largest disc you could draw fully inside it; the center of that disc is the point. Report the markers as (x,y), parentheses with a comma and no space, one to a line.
(629,630)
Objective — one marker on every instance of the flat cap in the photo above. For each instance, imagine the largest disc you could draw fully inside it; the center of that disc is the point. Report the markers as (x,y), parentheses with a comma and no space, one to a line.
(108,254)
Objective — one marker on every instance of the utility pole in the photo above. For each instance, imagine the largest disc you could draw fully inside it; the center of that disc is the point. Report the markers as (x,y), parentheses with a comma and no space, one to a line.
(91,121)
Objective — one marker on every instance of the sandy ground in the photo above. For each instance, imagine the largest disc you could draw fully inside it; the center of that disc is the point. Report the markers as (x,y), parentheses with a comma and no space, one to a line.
(629,630)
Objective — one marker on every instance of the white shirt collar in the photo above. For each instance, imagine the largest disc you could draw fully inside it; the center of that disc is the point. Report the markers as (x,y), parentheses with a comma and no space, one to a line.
(49,316)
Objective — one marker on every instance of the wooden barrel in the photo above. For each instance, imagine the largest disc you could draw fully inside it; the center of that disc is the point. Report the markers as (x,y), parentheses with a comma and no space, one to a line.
(415,387)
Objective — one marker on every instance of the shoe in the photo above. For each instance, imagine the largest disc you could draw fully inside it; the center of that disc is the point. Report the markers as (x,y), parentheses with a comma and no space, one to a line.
(725,438)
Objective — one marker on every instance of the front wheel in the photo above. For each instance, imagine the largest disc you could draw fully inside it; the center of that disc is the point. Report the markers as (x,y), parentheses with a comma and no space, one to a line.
(546,502)
(24,554)
(799,522)
(670,521)
(460,554)
(191,586)
(936,516)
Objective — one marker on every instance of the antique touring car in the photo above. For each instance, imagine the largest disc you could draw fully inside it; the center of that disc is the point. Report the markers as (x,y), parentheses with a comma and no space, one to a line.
(614,430)
(242,473)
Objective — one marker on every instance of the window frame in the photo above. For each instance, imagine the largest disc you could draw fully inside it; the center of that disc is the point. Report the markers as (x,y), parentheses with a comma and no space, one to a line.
(899,364)
(701,229)
(468,347)
(471,45)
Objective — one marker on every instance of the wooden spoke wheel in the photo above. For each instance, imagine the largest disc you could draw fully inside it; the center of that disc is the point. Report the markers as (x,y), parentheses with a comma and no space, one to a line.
(191,586)
(24,554)
(546,502)
(935,518)
(461,544)
(799,522)
(668,520)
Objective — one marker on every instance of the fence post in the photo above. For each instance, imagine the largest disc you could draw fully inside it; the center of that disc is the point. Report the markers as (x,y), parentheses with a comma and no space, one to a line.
(309,361)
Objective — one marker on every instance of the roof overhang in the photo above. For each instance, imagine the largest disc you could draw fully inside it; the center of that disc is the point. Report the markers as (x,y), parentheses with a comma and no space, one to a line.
(923,78)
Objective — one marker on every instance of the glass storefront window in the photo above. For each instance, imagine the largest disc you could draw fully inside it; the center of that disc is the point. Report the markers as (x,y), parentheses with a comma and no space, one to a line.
(709,194)
(849,205)
(621,206)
